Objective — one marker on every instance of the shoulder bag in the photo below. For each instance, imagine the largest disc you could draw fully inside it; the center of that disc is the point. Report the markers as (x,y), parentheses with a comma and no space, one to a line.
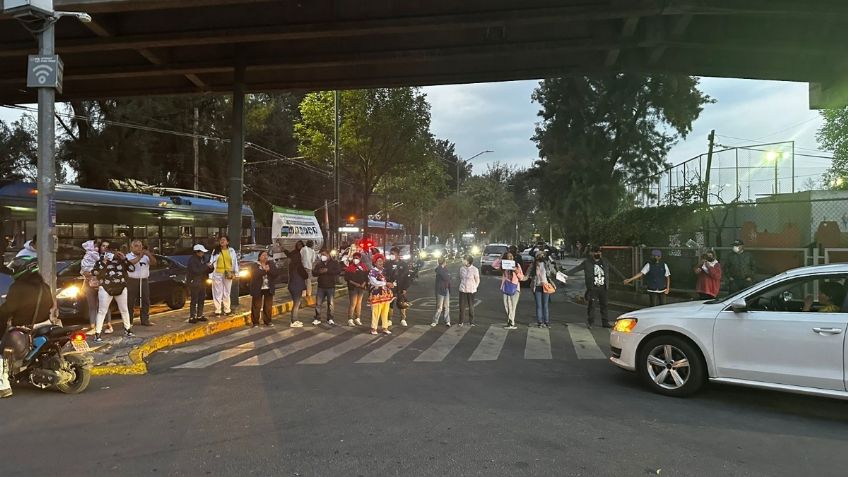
(508,288)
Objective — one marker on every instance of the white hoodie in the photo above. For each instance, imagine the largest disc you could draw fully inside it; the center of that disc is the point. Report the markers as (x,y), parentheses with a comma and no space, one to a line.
(28,250)
(90,258)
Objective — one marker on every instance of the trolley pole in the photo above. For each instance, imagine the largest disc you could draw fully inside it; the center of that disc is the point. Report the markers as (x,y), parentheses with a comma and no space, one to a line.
(46,183)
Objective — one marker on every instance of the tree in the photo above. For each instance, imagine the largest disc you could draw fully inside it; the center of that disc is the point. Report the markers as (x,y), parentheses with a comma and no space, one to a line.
(833,136)
(383,132)
(18,151)
(599,132)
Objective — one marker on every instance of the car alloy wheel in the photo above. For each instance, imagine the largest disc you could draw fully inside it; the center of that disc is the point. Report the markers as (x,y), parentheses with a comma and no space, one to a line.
(668,367)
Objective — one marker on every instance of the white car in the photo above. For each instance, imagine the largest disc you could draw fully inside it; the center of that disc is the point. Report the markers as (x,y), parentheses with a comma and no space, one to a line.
(492,252)
(759,337)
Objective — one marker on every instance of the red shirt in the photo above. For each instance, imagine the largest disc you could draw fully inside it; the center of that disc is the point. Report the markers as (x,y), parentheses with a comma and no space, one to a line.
(709,279)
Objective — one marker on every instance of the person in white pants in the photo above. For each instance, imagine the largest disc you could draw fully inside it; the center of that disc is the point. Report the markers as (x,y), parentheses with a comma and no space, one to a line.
(225,263)
(111,271)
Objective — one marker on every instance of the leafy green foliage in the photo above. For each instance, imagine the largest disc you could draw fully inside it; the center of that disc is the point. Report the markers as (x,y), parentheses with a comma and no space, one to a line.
(17,151)
(833,135)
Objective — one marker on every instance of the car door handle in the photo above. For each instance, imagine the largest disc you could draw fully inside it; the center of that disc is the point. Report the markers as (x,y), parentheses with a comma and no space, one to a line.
(828,331)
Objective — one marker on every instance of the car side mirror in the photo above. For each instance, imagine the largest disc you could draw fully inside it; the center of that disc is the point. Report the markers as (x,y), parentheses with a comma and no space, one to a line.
(739,305)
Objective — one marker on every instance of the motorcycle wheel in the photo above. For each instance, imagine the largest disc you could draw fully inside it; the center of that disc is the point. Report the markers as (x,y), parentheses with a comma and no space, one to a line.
(82,379)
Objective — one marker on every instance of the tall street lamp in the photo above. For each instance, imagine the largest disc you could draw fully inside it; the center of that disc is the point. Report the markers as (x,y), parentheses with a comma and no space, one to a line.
(465,161)
(773,156)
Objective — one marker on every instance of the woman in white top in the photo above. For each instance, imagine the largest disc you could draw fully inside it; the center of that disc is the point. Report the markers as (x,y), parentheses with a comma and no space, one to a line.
(469,280)
(225,263)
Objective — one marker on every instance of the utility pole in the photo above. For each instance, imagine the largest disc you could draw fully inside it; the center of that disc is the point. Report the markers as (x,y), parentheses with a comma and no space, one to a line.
(457,176)
(45,216)
(196,146)
(706,198)
(337,178)
(235,199)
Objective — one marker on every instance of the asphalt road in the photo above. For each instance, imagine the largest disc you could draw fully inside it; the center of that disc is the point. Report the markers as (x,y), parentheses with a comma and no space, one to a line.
(339,402)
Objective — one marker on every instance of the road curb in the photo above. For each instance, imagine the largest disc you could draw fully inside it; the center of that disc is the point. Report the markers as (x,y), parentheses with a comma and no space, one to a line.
(138,354)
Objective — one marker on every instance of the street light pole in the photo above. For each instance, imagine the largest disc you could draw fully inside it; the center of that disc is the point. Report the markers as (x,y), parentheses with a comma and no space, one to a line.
(337,179)
(45,217)
(467,160)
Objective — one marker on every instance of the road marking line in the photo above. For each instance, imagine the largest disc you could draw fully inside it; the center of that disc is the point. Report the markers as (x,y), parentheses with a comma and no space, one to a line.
(344,347)
(490,347)
(584,342)
(538,344)
(300,345)
(216,342)
(444,345)
(243,348)
(395,345)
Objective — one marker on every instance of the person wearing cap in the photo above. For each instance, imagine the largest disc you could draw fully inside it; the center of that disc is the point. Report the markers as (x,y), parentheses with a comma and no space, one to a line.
(739,267)
(657,278)
(597,271)
(327,271)
(397,273)
(198,273)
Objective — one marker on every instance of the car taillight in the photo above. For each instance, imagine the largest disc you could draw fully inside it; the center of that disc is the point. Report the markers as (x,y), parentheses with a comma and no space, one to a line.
(78,336)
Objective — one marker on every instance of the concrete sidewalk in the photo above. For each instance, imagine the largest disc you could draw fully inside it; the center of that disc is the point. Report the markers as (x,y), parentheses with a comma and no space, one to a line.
(122,355)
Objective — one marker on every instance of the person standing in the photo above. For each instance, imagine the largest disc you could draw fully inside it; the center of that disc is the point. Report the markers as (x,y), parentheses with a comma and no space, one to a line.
(396,274)
(138,284)
(708,274)
(542,289)
(262,276)
(90,282)
(297,283)
(443,285)
(469,281)
(657,278)
(307,256)
(111,270)
(356,275)
(380,297)
(739,267)
(198,272)
(225,263)
(597,271)
(510,287)
(327,271)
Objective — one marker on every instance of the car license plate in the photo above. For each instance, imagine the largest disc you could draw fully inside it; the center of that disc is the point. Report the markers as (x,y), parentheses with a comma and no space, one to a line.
(80,345)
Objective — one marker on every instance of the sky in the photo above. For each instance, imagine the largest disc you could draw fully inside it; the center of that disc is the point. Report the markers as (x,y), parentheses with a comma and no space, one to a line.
(501,117)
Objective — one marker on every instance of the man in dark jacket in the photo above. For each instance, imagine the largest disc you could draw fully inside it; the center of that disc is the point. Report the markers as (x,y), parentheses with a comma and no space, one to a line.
(198,272)
(443,286)
(739,268)
(397,273)
(263,274)
(327,270)
(597,272)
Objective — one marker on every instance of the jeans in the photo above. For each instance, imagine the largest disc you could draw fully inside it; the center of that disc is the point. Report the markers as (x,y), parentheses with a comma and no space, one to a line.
(296,300)
(198,296)
(656,298)
(380,312)
(92,301)
(510,305)
(325,294)
(599,296)
(104,300)
(262,305)
(543,301)
(139,288)
(466,307)
(355,295)
(221,288)
(442,305)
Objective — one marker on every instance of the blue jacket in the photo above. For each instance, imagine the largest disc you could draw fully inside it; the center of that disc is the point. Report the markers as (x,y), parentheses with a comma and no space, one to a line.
(256,275)
(442,281)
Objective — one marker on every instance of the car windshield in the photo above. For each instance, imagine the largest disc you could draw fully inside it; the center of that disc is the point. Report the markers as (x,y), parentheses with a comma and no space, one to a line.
(495,249)
(68,269)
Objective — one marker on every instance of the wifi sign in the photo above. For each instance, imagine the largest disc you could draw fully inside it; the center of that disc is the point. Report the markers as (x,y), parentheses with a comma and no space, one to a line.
(44,71)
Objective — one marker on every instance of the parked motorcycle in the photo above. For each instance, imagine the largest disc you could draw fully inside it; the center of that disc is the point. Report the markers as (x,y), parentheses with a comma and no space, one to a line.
(37,356)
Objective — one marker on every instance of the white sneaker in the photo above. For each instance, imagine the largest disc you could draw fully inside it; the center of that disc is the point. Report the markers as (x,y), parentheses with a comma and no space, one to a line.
(433,325)
(374,332)
(358,322)
(350,323)
(331,322)
(387,332)
(316,322)
(403,323)
(297,324)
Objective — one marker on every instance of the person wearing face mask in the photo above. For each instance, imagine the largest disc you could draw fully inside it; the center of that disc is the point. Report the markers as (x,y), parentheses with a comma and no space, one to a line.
(396,273)
(469,281)
(739,268)
(657,278)
(380,296)
(356,275)
(597,271)
(708,273)
(542,289)
(327,271)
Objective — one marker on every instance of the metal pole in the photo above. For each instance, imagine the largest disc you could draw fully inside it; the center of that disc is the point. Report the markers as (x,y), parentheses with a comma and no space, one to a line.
(327,223)
(46,244)
(457,176)
(776,185)
(385,224)
(337,179)
(236,168)
(793,167)
(196,146)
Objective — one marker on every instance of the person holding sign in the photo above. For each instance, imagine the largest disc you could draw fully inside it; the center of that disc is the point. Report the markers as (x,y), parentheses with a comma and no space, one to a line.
(510,286)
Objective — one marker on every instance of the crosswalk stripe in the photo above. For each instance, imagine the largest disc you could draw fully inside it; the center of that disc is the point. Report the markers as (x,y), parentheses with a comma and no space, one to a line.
(344,347)
(215,358)
(584,343)
(444,345)
(490,347)
(538,344)
(300,345)
(214,343)
(395,345)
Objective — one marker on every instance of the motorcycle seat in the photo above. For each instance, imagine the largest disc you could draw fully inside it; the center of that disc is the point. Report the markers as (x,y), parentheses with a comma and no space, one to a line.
(44,330)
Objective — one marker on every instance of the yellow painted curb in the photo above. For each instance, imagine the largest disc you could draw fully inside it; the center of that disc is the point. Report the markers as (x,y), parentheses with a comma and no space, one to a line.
(139,353)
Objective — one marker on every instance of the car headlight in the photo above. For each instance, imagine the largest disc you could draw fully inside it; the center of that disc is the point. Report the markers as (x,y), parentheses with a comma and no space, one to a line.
(625,325)
(244,273)
(406,256)
(422,254)
(70,292)
(437,254)
(334,252)
(475,250)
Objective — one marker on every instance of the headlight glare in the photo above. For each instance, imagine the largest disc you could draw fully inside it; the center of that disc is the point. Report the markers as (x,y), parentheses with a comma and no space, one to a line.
(72,291)
(625,325)
(244,273)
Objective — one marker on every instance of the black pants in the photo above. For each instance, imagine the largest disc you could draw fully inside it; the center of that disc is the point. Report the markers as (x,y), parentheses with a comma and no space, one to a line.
(656,298)
(139,288)
(466,307)
(597,295)
(198,296)
(262,304)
